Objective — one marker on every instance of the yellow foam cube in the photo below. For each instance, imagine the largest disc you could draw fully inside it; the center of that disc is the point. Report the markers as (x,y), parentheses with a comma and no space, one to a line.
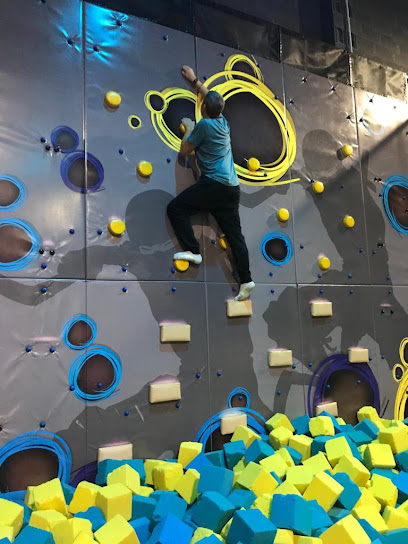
(321,426)
(46,519)
(239,467)
(299,539)
(66,531)
(354,469)
(324,489)
(283,536)
(246,434)
(275,463)
(115,499)
(340,421)
(346,531)
(279,420)
(367,499)
(6,531)
(337,448)
(257,479)
(145,491)
(11,515)
(368,412)
(116,531)
(286,456)
(302,444)
(286,488)
(127,476)
(317,463)
(226,528)
(187,485)
(149,465)
(166,477)
(280,437)
(188,451)
(29,496)
(404,507)
(395,518)
(395,437)
(84,497)
(239,308)
(370,514)
(83,538)
(300,477)
(49,496)
(378,456)
(263,503)
(383,490)
(202,532)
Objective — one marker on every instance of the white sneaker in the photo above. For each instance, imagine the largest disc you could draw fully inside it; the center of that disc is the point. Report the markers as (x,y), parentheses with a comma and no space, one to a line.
(245,290)
(194,258)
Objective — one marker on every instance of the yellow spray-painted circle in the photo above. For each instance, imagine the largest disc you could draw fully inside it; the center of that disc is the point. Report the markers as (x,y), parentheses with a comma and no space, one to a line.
(134,119)
(148,97)
(402,393)
(181,265)
(233,59)
(116,227)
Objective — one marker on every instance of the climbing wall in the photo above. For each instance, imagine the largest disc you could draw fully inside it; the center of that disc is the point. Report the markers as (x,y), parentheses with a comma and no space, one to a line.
(82,309)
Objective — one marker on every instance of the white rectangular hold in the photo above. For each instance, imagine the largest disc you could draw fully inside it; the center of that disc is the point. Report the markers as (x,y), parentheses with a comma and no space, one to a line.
(239,308)
(164,392)
(280,357)
(358,355)
(230,422)
(330,408)
(120,452)
(321,308)
(175,332)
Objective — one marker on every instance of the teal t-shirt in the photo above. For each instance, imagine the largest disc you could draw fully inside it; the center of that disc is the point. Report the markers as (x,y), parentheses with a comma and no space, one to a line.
(212,145)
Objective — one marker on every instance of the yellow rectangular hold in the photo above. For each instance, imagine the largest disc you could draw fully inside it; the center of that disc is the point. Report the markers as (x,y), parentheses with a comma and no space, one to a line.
(239,308)
(358,355)
(280,357)
(164,392)
(321,308)
(230,422)
(175,332)
(120,452)
(330,407)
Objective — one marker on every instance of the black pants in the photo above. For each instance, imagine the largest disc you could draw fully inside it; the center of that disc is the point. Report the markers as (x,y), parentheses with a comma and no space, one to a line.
(222,201)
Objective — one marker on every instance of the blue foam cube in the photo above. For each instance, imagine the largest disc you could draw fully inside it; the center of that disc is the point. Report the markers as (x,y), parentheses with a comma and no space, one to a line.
(251,527)
(216,479)
(234,451)
(141,527)
(241,498)
(351,492)
(14,496)
(212,511)
(368,427)
(296,456)
(94,515)
(68,491)
(386,472)
(358,437)
(320,518)
(398,536)
(106,466)
(336,514)
(372,533)
(5,541)
(32,535)
(142,507)
(169,503)
(216,457)
(171,530)
(402,460)
(257,451)
(292,512)
(199,462)
(319,444)
(301,424)
(401,483)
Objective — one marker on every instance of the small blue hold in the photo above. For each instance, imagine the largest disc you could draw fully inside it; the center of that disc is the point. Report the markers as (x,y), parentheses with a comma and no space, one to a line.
(218,373)
(72,387)
(240,397)
(342,186)
(309,365)
(382,356)
(177,405)
(121,151)
(388,278)
(173,270)
(43,289)
(52,349)
(205,78)
(124,268)
(100,384)
(28,349)
(350,276)
(278,392)
(43,140)
(168,160)
(374,252)
(174,289)
(328,386)
(389,291)
(213,242)
(70,41)
(95,48)
(124,289)
(72,231)
(358,382)
(360,250)
(293,366)
(99,231)
(321,291)
(222,54)
(351,291)
(370,358)
(319,276)
(44,266)
(42,424)
(265,174)
(301,246)
(198,375)
(126,412)
(271,273)
(165,37)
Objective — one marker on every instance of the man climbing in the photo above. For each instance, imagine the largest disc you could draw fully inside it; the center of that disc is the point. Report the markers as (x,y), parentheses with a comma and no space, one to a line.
(217,190)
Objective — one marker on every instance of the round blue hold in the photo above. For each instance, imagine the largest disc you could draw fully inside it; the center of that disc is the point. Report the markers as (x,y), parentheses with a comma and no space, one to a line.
(272,291)
(168,160)
(177,405)
(382,356)
(278,392)
(223,54)
(99,231)
(28,349)
(218,373)
(358,382)
(173,270)
(213,242)
(43,289)
(389,291)
(271,273)
(44,266)
(120,151)
(301,246)
(52,349)
(72,387)
(309,365)
(42,424)
(198,375)
(174,289)
(370,358)
(351,291)
(321,291)
(240,397)
(124,289)
(126,412)
(361,250)
(328,386)
(95,48)
(374,252)
(100,384)
(293,366)
(70,41)
(124,268)
(350,276)
(388,278)
(234,289)
(342,186)
(319,276)
(43,140)
(72,231)
(165,37)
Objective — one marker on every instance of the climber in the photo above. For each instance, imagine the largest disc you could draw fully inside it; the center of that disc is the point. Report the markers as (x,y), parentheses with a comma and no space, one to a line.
(217,190)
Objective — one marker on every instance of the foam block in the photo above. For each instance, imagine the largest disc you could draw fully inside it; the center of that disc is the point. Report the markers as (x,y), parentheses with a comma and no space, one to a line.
(396,437)
(141,527)
(109,465)
(324,489)
(120,452)
(246,434)
(84,497)
(242,498)
(337,448)
(321,308)
(276,464)
(217,479)
(212,511)
(143,507)
(49,496)
(175,332)
(401,482)
(6,534)
(368,427)
(280,357)
(300,477)
(94,515)
(164,392)
(83,538)
(216,458)
(321,426)
(46,519)
(378,456)
(284,536)
(358,355)
(369,412)
(263,504)
(317,463)
(115,499)
(242,308)
(201,533)
(171,530)
(351,492)
(286,488)
(251,527)
(280,437)
(127,476)
(166,476)
(302,444)
(11,515)
(234,451)
(116,531)
(395,518)
(32,535)
(169,503)
(279,420)
(345,531)
(351,466)
(187,485)
(257,451)
(199,462)
(329,407)
(370,514)
(257,479)
(320,518)
(295,455)
(383,490)
(398,536)
(230,422)
(293,513)
(367,499)
(66,531)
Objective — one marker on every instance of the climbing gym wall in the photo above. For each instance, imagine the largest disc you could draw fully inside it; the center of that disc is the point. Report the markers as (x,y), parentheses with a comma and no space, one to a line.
(103,342)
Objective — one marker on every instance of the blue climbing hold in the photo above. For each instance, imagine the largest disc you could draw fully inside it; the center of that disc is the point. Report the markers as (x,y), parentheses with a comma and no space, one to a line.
(173,270)
(293,366)
(168,160)
(321,291)
(43,289)
(44,266)
(100,384)
(309,365)
(121,151)
(165,37)
(124,289)
(71,231)
(213,242)
(319,276)
(177,405)
(350,276)
(198,375)
(99,231)
(174,289)
(43,140)
(42,424)
(351,291)
(218,373)
(278,392)
(301,246)
(126,412)
(52,349)
(28,349)
(271,273)
(72,387)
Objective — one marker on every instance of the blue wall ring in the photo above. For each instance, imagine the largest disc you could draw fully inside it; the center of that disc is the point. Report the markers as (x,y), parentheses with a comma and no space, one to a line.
(19,201)
(71,322)
(69,159)
(401,181)
(276,235)
(32,254)
(58,131)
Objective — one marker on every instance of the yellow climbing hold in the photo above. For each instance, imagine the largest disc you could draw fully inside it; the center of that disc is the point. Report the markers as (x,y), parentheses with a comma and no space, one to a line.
(223,242)
(347,150)
(113,99)
(282,214)
(317,187)
(253,164)
(182,128)
(181,265)
(145,169)
(348,221)
(116,227)
(324,263)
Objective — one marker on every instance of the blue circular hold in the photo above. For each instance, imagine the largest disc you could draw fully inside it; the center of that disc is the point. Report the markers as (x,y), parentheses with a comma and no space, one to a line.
(100,384)
(234,289)
(121,151)
(397,180)
(67,162)
(293,366)
(278,392)
(58,135)
(272,291)
(271,274)
(361,250)
(389,291)
(72,231)
(350,276)
(205,78)
(165,37)
(43,266)
(276,235)
(370,358)
(79,362)
(374,252)
(95,48)
(22,194)
(173,270)
(328,386)
(70,323)
(126,413)
(124,268)
(213,242)
(43,140)
(177,405)
(358,382)
(342,186)
(72,387)
(70,41)
(99,231)
(43,289)
(242,393)
(52,349)
(388,278)
(222,54)
(321,291)
(240,397)
(198,375)
(168,160)
(265,174)
(319,276)
(124,289)
(351,291)
(218,373)
(28,349)
(301,246)
(309,365)
(382,356)
(42,424)
(173,289)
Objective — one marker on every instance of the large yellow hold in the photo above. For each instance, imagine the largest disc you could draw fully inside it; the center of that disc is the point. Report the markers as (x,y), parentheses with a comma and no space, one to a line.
(116,531)
(84,497)
(11,515)
(115,499)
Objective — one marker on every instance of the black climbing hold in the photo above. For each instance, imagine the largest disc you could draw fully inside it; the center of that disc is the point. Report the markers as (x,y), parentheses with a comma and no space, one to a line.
(42,424)
(119,23)
(52,252)
(70,41)
(57,149)
(333,89)
(392,312)
(304,79)
(342,186)
(95,48)
(291,101)
(383,311)
(348,116)
(272,291)
(47,147)
(213,242)
(41,251)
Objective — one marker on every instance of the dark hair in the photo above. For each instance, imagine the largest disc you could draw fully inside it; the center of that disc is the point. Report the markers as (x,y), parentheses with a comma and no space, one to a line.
(214,103)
